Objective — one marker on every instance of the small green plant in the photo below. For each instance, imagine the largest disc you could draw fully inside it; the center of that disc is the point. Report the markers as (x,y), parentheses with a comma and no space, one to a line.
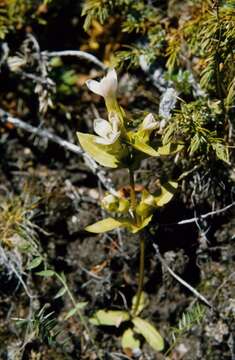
(119,143)
(189,319)
(42,325)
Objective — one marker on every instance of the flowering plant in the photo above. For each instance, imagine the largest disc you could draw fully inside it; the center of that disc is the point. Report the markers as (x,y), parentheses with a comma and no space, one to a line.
(117,144)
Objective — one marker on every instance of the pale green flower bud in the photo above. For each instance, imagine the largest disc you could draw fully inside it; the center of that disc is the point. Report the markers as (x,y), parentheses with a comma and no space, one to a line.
(110,203)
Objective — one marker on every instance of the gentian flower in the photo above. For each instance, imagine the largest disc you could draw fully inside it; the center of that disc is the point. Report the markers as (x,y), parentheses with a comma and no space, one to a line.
(107,88)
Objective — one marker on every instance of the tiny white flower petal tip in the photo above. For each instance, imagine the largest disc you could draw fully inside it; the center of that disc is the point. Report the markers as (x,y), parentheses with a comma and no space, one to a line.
(149,123)
(107,87)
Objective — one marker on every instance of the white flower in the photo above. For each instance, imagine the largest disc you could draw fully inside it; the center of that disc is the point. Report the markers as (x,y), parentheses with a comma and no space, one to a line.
(108,131)
(107,87)
(149,123)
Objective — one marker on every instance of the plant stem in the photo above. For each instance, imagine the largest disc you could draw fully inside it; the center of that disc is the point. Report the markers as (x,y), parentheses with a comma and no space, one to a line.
(141,276)
(132,186)
(142,244)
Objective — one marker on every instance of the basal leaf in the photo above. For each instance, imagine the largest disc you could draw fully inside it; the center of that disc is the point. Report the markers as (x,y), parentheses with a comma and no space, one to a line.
(103,226)
(109,317)
(129,342)
(98,152)
(166,193)
(142,304)
(148,331)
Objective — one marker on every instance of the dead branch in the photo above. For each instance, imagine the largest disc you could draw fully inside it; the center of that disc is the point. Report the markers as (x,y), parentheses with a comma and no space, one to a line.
(203,216)
(43,133)
(178,278)
(75,53)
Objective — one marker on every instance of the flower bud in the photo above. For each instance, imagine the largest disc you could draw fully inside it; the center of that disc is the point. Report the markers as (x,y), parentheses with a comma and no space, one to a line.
(110,203)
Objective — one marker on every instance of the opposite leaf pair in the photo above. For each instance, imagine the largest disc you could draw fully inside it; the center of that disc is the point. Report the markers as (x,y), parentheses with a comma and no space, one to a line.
(138,326)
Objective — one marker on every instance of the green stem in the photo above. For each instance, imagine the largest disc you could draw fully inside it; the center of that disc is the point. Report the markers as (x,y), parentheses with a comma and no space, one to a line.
(142,244)
(132,186)
(141,276)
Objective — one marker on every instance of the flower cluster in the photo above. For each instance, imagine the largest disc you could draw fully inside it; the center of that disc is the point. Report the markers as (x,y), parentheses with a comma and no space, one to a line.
(114,145)
(120,207)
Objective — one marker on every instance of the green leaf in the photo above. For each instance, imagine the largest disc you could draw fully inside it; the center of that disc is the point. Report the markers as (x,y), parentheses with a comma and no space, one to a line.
(72,312)
(145,222)
(133,228)
(109,317)
(148,331)
(145,148)
(144,301)
(167,192)
(46,273)
(169,149)
(129,341)
(168,134)
(194,144)
(100,153)
(35,263)
(60,293)
(222,152)
(104,226)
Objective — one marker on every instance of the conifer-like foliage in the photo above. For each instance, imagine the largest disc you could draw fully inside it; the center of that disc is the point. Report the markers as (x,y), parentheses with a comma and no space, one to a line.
(192,43)
(14,14)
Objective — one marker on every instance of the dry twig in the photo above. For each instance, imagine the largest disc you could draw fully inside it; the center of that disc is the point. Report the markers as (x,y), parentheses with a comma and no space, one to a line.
(178,278)
(43,133)
(75,53)
(203,216)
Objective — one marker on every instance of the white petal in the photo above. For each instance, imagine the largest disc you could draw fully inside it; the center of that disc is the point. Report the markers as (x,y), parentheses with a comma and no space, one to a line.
(95,87)
(114,136)
(109,84)
(102,127)
(109,140)
(149,123)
